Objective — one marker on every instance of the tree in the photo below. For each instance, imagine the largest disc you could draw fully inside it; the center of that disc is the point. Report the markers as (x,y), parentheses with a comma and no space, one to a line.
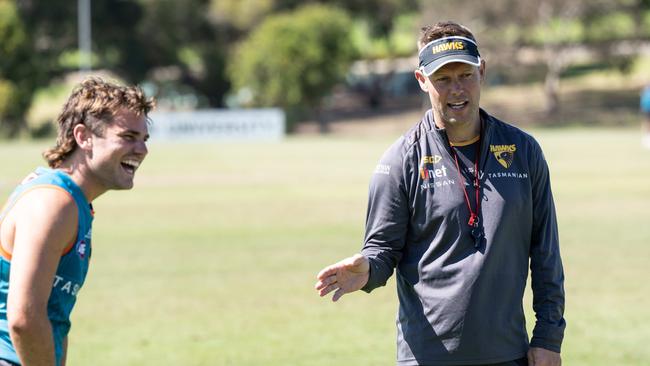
(558,32)
(182,36)
(17,72)
(132,39)
(294,59)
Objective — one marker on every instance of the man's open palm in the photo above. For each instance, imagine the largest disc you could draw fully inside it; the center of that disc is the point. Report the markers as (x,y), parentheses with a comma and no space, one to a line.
(346,276)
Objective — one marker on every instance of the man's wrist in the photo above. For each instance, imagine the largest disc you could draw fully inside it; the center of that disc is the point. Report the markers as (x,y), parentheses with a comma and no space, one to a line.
(539,343)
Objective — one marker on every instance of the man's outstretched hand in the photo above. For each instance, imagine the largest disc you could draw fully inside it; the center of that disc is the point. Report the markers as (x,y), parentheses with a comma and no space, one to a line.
(346,276)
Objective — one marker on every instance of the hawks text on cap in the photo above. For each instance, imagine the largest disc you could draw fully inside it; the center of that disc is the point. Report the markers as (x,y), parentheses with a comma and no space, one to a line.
(442,51)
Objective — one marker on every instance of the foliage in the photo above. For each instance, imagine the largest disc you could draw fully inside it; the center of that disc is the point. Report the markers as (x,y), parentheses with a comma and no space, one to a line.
(12,33)
(399,42)
(7,97)
(242,15)
(557,30)
(185,46)
(166,35)
(612,26)
(17,73)
(295,58)
(174,45)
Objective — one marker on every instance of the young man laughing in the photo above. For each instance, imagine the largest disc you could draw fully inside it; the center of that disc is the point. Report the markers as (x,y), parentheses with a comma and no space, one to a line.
(45,227)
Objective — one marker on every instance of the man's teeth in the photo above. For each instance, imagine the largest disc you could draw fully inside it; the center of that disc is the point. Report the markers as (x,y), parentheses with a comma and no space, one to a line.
(457,105)
(132,163)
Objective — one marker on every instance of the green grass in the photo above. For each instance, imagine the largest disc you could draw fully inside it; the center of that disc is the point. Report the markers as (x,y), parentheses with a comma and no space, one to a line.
(211,259)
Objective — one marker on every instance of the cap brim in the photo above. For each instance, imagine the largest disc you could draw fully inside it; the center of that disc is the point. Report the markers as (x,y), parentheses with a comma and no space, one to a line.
(435,65)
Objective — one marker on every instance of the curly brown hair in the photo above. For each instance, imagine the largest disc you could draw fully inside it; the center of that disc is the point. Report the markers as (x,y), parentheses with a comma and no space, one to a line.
(93,103)
(441,30)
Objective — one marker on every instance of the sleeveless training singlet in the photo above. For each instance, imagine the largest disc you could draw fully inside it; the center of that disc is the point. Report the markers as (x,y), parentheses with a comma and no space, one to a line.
(70,273)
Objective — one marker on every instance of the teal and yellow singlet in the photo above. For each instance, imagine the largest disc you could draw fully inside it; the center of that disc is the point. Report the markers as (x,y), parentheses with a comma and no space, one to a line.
(70,273)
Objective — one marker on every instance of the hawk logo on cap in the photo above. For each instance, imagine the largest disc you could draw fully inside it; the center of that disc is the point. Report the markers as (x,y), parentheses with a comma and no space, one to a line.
(504,154)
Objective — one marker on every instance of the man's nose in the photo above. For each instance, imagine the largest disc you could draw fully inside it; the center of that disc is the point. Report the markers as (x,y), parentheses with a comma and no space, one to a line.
(141,148)
(456,86)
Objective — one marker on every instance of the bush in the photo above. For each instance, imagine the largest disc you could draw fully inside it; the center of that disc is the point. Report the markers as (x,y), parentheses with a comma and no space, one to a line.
(8,102)
(7,96)
(15,71)
(293,60)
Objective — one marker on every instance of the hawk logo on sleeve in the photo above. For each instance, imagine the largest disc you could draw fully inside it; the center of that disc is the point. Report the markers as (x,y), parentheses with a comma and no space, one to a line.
(504,154)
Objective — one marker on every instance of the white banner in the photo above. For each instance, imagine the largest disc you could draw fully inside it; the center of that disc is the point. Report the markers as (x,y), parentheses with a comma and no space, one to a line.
(218,124)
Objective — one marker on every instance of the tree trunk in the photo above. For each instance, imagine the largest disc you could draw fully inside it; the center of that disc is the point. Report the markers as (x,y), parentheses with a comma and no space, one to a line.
(323,123)
(552,82)
(554,63)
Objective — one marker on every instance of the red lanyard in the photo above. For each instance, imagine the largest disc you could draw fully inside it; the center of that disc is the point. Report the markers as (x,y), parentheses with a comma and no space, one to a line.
(473,217)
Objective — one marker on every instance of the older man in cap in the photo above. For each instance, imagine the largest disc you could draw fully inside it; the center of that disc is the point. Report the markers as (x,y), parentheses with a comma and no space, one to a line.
(460,205)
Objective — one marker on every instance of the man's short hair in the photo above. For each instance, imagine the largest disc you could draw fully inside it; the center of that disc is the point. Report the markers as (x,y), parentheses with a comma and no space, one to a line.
(93,103)
(442,30)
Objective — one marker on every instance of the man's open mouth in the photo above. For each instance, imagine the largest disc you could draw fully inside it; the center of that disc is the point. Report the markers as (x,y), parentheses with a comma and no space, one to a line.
(130,165)
(457,105)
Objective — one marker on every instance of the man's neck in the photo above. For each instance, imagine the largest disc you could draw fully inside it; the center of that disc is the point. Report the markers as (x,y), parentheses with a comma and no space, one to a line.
(81,178)
(459,134)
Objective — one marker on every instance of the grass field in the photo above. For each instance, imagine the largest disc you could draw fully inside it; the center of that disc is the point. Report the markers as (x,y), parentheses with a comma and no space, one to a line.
(211,259)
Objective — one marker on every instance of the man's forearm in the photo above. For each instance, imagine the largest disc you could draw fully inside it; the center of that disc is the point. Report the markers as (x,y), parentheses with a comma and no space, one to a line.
(33,341)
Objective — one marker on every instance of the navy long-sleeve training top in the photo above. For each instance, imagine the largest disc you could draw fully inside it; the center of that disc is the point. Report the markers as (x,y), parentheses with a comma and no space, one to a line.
(461,299)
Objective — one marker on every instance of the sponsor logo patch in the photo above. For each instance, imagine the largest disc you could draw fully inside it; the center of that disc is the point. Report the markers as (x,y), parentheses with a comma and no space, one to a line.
(66,286)
(81,249)
(432,174)
(431,159)
(382,169)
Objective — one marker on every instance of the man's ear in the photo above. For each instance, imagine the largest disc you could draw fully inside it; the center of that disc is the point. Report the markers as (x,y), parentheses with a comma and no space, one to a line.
(422,80)
(83,136)
(481,70)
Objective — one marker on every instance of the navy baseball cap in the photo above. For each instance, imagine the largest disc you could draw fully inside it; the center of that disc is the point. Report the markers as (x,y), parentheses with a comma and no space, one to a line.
(442,51)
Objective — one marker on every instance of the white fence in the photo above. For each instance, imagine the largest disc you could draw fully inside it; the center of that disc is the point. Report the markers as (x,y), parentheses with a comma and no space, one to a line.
(218,124)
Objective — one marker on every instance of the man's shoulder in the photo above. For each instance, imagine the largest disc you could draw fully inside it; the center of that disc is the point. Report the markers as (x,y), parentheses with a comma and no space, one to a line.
(43,208)
(418,130)
(44,191)
(47,198)
(507,129)
(398,151)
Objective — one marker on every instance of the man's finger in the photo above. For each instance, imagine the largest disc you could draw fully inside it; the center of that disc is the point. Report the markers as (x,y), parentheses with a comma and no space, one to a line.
(531,359)
(328,289)
(328,271)
(325,282)
(337,295)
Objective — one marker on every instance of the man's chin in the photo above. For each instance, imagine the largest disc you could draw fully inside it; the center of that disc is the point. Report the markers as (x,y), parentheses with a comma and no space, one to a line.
(123,186)
(455,121)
